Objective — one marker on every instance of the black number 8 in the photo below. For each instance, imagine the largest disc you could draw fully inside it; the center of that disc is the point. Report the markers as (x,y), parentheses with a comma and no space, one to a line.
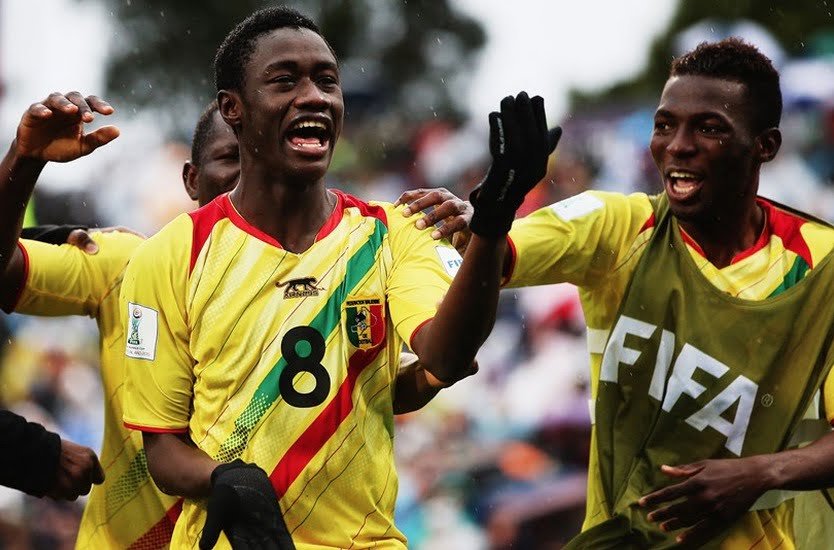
(298,361)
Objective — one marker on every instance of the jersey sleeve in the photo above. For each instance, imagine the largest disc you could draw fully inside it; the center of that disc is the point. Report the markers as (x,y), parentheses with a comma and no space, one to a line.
(579,240)
(65,280)
(158,364)
(420,276)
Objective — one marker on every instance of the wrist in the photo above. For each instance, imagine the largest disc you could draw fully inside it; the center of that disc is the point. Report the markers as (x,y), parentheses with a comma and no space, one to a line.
(21,159)
(770,470)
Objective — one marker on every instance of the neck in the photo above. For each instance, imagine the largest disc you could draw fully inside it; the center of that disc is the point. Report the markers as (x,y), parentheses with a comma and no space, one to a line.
(722,237)
(290,211)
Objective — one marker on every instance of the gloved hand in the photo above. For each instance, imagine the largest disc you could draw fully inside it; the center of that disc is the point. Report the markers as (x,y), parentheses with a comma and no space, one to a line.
(520,143)
(243,504)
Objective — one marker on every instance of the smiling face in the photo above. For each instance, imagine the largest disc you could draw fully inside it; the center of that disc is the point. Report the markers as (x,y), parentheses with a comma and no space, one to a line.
(289,113)
(706,149)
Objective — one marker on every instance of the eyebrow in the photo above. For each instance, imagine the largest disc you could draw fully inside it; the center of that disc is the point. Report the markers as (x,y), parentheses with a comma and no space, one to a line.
(293,66)
(705,114)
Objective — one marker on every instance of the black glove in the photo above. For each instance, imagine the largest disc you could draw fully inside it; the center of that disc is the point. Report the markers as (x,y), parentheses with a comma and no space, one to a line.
(520,143)
(243,504)
(52,234)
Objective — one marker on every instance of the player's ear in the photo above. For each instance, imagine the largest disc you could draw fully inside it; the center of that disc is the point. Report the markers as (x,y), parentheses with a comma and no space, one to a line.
(229,105)
(189,179)
(768,143)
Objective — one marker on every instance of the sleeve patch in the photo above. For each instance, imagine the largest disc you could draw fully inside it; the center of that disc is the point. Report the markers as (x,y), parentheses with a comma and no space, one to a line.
(576,206)
(449,258)
(141,332)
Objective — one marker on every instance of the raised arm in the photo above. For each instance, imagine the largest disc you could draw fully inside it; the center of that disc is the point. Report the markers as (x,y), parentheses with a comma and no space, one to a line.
(520,144)
(50,130)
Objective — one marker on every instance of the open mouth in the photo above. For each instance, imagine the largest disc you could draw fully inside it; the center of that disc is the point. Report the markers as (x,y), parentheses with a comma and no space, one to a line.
(682,185)
(309,137)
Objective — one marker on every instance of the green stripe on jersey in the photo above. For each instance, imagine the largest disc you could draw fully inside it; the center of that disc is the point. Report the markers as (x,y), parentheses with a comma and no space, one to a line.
(794,275)
(325,321)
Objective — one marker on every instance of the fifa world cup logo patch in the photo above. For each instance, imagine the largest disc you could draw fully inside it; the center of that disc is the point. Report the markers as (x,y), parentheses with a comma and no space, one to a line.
(135,318)
(299,288)
(365,321)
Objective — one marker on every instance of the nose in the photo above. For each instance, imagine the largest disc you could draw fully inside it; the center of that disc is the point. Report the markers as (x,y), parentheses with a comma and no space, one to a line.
(682,142)
(310,96)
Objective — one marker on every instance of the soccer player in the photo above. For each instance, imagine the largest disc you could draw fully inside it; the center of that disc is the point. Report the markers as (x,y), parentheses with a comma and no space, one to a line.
(127,510)
(710,325)
(266,327)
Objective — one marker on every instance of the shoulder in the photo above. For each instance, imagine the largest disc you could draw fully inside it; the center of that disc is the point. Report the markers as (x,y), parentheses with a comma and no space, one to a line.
(170,244)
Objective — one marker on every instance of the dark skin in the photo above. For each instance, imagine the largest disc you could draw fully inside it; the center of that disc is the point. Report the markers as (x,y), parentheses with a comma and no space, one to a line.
(292,77)
(704,129)
(50,130)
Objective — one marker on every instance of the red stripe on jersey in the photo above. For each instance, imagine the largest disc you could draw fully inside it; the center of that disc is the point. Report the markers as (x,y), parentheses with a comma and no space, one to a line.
(159,536)
(364,208)
(415,331)
(787,227)
(204,219)
(323,427)
(649,223)
(334,219)
(153,430)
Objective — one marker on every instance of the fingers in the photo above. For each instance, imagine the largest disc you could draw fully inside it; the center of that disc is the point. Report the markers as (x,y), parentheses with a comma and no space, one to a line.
(92,141)
(676,516)
(420,199)
(540,117)
(97,476)
(553,136)
(81,239)
(685,470)
(497,139)
(528,126)
(511,131)
(58,102)
(446,209)
(99,105)
(702,532)
(666,494)
(221,507)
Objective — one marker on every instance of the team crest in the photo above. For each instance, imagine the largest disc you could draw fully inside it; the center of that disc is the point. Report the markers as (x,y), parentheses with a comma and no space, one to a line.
(300,288)
(365,320)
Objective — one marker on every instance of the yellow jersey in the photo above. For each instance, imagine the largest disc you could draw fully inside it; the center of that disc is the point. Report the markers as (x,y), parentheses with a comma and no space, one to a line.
(284,360)
(595,241)
(127,510)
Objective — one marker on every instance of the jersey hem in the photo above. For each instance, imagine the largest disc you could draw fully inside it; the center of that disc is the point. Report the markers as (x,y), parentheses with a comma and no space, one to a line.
(154,429)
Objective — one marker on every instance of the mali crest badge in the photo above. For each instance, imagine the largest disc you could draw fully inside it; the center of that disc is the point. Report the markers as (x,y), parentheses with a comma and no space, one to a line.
(365,320)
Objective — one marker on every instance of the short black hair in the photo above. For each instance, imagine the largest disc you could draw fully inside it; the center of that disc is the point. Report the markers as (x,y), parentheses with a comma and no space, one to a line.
(736,60)
(202,133)
(236,50)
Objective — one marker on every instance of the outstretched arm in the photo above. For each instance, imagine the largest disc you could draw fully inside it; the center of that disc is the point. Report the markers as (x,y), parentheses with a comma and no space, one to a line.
(520,144)
(50,130)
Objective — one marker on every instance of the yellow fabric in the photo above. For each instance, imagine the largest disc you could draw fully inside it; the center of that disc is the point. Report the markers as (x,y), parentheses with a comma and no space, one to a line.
(595,241)
(63,280)
(216,365)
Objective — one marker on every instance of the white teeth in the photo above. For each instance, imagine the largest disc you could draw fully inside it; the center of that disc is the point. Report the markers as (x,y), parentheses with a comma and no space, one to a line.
(683,175)
(309,124)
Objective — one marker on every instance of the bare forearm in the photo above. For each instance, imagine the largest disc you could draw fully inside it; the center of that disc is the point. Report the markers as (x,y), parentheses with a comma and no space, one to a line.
(808,468)
(413,389)
(177,466)
(17,180)
(467,313)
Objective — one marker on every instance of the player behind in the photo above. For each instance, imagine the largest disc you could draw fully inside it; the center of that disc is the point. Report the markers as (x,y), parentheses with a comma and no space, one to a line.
(127,510)
(265,376)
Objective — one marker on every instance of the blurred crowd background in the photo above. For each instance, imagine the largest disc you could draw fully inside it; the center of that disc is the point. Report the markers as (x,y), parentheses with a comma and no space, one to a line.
(499,460)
